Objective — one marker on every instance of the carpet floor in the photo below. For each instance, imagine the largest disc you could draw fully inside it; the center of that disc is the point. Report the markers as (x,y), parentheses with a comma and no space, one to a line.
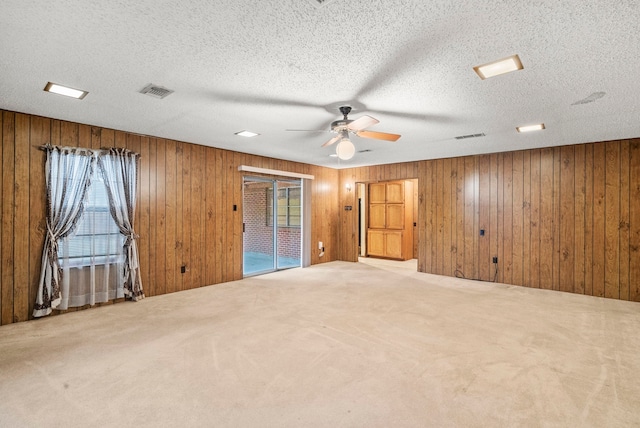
(371,344)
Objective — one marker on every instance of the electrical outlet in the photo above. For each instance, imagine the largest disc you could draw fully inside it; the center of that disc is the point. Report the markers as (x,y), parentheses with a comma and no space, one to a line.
(495,260)
(320,245)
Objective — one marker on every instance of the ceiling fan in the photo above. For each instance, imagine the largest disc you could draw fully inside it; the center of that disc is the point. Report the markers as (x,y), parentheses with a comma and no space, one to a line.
(345,148)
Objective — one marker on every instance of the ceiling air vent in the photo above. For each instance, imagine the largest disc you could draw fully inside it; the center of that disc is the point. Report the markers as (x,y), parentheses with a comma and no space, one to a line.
(156,91)
(464,137)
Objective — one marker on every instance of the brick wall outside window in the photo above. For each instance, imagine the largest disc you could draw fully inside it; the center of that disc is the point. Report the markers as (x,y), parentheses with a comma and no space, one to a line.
(258,236)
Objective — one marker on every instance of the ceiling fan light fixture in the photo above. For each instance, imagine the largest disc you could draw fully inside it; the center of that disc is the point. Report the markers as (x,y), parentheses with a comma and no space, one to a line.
(345,149)
(501,66)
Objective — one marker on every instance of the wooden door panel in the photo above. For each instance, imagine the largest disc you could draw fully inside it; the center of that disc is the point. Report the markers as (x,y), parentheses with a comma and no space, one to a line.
(395,192)
(375,243)
(377,216)
(395,216)
(393,245)
(377,194)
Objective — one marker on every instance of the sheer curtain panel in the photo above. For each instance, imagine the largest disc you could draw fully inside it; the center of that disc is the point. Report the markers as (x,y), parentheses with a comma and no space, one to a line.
(119,171)
(68,172)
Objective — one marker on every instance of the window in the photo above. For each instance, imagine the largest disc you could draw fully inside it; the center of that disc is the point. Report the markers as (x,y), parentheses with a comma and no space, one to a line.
(288,207)
(97,239)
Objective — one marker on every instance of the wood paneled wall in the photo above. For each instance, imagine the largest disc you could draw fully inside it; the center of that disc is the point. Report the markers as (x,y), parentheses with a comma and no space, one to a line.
(564,218)
(184,216)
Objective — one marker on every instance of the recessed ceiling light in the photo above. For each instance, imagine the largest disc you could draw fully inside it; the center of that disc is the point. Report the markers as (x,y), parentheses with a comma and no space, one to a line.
(246,134)
(333,155)
(502,66)
(529,128)
(65,90)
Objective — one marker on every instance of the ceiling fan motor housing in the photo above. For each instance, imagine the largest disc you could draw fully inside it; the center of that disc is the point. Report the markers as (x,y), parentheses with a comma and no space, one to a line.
(338,125)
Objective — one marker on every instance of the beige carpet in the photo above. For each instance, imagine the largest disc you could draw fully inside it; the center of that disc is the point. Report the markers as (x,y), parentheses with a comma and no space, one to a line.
(337,345)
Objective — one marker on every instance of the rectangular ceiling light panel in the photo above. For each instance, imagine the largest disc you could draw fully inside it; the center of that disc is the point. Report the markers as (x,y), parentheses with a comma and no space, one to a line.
(65,90)
(530,128)
(496,68)
(246,134)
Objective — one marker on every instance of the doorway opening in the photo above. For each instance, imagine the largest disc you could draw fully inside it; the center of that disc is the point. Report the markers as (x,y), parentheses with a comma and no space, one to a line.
(272,224)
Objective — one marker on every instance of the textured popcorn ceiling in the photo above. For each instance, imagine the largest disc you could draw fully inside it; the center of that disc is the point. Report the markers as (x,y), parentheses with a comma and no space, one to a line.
(269,66)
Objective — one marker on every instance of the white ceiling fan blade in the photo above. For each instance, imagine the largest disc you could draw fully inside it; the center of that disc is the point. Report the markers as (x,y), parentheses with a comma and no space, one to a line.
(378,135)
(362,123)
(331,141)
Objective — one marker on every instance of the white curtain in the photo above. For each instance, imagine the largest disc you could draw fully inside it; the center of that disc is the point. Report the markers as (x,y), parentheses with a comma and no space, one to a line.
(92,256)
(68,172)
(119,170)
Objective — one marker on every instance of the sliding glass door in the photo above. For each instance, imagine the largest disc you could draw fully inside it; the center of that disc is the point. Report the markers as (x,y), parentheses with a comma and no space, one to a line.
(272,216)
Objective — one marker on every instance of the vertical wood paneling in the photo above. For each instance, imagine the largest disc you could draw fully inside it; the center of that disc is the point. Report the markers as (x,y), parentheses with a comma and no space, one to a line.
(546,218)
(476,218)
(485,250)
(579,226)
(500,217)
(588,219)
(40,135)
(517,216)
(8,202)
(237,215)
(210,225)
(144,208)
(430,217)
(171,262)
(440,215)
(567,217)
(220,221)
(160,224)
(21,232)
(460,216)
(197,223)
(555,243)
(612,222)
(229,261)
(470,232)
(3,284)
(581,202)
(422,219)
(446,217)
(634,220)
(534,253)
(599,162)
(624,220)
(494,232)
(179,201)
(154,236)
(185,227)
(526,219)
(507,215)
